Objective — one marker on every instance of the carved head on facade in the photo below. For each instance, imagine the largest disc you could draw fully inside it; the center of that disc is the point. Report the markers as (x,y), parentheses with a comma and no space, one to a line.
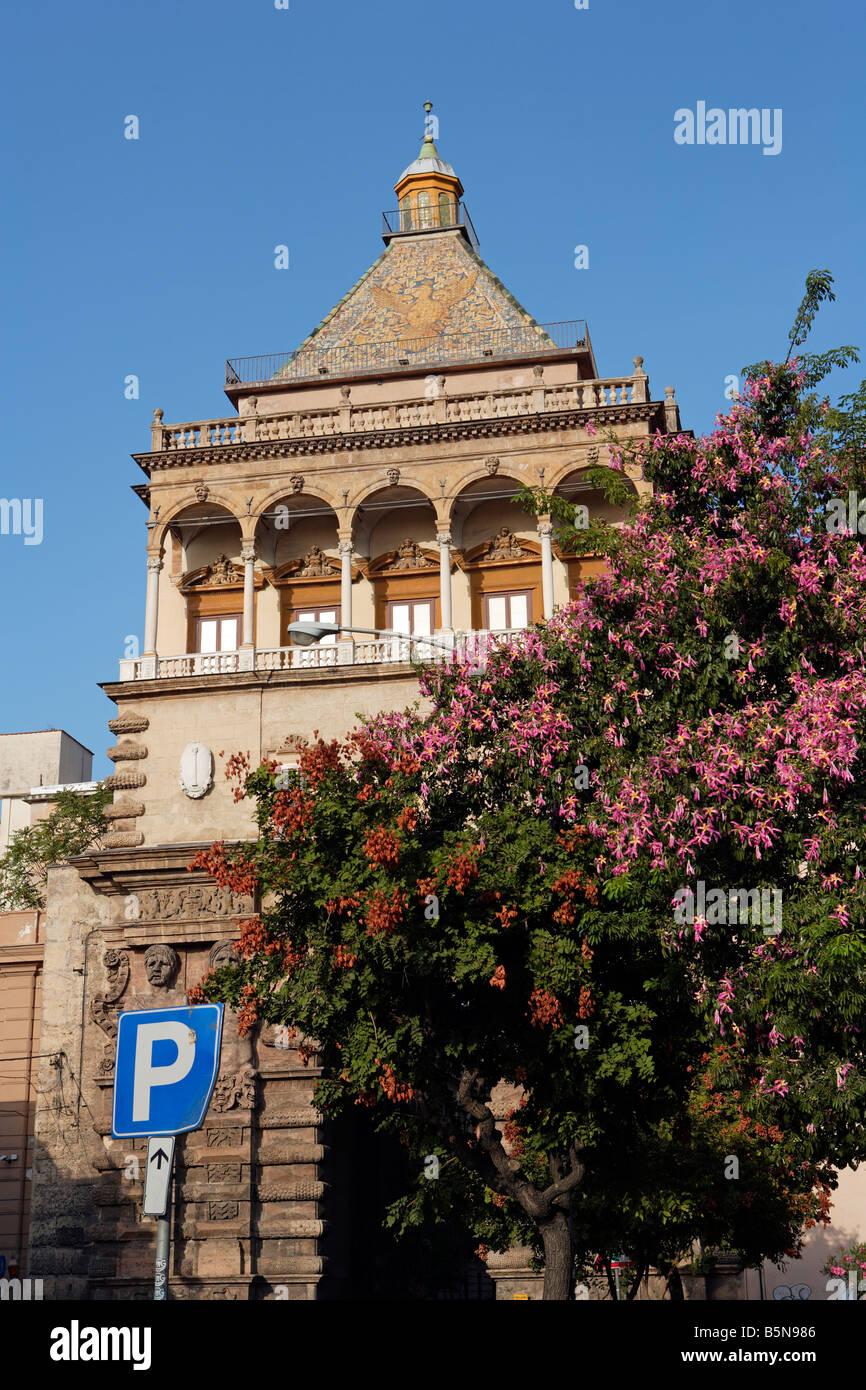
(161,965)
(296,482)
(393,476)
(201,491)
(220,954)
(492,466)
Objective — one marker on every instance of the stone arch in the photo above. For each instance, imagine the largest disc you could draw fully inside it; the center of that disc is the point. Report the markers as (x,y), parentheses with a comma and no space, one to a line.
(164,524)
(407,480)
(404,509)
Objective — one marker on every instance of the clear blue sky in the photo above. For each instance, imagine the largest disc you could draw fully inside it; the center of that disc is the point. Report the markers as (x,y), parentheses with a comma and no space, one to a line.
(261,126)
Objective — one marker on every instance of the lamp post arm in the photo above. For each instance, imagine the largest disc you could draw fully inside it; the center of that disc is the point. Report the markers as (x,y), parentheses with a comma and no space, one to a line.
(403,636)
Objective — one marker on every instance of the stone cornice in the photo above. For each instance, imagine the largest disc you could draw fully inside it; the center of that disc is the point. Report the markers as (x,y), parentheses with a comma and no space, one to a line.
(254,680)
(554,421)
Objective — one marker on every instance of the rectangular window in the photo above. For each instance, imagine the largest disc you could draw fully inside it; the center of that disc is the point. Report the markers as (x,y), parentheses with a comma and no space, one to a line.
(219,633)
(417,618)
(505,612)
(318,615)
(412,616)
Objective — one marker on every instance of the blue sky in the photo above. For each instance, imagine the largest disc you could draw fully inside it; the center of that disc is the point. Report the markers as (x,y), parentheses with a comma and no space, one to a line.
(259,126)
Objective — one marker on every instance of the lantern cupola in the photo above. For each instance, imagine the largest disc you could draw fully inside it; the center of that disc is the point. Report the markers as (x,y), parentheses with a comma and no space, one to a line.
(428,191)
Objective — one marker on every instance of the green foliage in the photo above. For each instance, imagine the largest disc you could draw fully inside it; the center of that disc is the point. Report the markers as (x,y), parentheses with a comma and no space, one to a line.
(75,823)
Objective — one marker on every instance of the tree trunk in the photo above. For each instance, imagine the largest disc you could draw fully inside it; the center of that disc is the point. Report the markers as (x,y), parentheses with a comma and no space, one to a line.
(558,1264)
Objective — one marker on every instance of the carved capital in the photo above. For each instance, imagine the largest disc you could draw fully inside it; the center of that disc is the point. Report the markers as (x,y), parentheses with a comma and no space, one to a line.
(346,547)
(248,550)
(443,537)
(545,528)
(154,563)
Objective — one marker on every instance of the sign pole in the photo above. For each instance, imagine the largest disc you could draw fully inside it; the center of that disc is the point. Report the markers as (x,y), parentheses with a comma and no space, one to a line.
(163,1244)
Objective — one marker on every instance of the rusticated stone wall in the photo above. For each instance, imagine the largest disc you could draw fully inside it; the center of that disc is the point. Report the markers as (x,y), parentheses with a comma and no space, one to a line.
(251,1217)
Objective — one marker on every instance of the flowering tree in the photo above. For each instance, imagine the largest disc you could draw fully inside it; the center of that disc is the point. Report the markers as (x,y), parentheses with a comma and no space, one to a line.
(556,880)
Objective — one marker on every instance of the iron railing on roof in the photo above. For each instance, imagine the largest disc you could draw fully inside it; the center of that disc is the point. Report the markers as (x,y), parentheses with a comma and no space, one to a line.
(444,213)
(312,363)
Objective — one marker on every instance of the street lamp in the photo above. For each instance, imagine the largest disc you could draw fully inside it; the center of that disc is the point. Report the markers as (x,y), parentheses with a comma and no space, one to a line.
(304,634)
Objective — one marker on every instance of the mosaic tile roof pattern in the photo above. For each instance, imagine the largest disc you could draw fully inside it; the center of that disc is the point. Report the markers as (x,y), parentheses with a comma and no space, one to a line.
(419,290)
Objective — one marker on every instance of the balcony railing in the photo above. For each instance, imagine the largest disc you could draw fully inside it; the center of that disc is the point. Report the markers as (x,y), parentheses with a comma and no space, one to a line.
(501,403)
(313,364)
(471,647)
(404,221)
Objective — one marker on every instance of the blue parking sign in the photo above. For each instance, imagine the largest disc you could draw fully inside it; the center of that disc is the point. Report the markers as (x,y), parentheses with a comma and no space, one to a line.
(166,1066)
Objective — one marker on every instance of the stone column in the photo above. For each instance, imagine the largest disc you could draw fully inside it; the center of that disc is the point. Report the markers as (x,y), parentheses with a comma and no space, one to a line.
(248,555)
(545,531)
(346,548)
(444,539)
(345,642)
(151,610)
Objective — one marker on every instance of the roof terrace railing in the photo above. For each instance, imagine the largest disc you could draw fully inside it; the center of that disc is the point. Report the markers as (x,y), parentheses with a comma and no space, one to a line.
(444,213)
(310,363)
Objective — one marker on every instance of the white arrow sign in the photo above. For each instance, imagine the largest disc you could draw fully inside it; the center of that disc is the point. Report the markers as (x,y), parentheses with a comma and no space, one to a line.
(157,1181)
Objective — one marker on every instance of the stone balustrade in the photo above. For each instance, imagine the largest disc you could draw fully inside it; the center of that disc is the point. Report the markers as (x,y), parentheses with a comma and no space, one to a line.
(348,419)
(467,646)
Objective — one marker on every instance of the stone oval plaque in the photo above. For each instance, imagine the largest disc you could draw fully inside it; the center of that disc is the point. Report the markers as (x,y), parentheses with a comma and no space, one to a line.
(196,770)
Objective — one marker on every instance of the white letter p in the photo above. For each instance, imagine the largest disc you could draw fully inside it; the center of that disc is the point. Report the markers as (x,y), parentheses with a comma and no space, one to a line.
(146,1075)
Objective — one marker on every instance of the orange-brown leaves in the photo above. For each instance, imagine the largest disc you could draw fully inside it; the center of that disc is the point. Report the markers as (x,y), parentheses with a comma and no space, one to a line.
(395,1090)
(585,1004)
(497,979)
(545,1009)
(463,869)
(382,848)
(506,915)
(292,810)
(319,759)
(239,875)
(344,959)
(254,938)
(248,1012)
(238,770)
(383,913)
(408,818)
(426,886)
(570,884)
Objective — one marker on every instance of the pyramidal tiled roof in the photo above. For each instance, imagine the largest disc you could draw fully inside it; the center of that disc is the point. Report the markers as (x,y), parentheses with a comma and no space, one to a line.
(422,288)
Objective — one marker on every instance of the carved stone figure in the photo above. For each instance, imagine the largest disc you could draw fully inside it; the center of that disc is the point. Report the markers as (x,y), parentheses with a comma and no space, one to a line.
(236,1083)
(492,466)
(190,903)
(504,546)
(410,557)
(103,1006)
(296,482)
(315,563)
(222,571)
(393,476)
(201,491)
(161,966)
